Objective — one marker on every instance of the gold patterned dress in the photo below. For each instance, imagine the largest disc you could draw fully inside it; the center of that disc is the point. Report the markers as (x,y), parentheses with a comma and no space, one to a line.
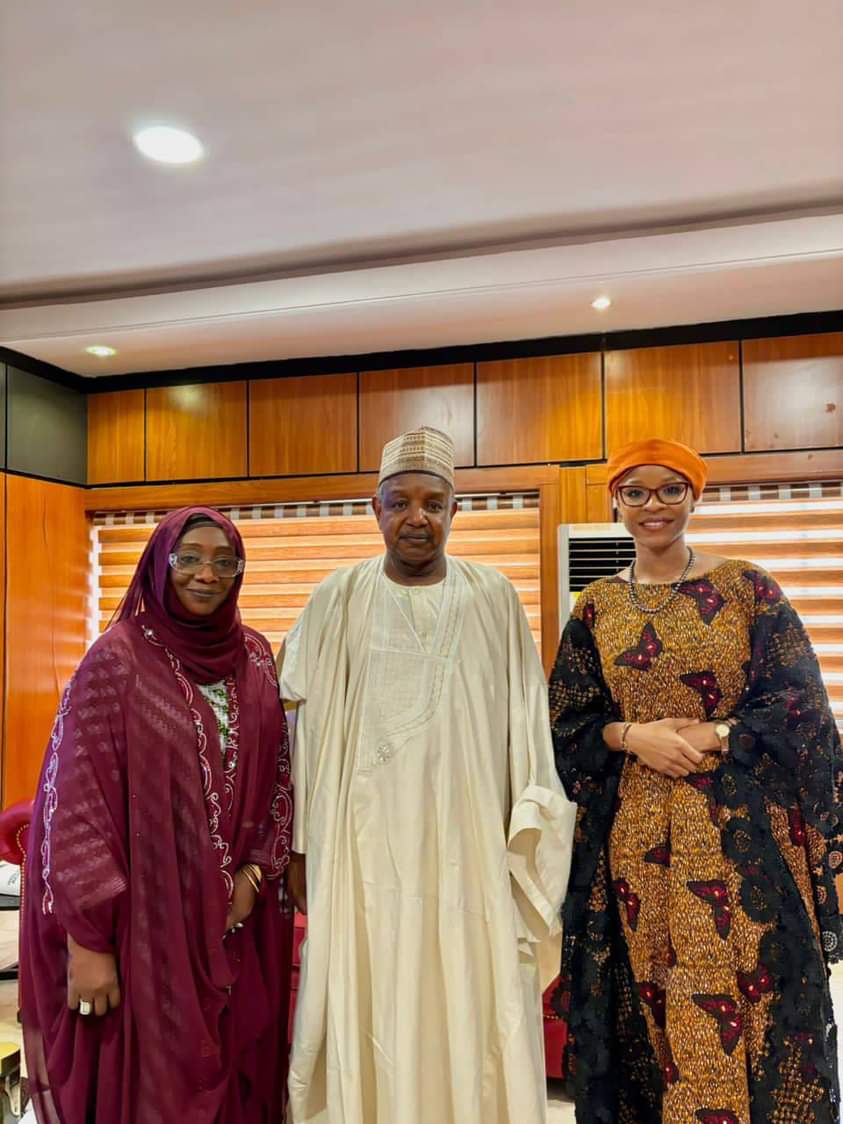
(702,912)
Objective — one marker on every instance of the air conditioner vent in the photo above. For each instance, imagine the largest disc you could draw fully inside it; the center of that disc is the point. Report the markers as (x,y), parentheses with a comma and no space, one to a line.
(592,558)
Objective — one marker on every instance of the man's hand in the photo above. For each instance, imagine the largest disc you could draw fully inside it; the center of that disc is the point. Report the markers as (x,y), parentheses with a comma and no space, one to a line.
(297,881)
(662,748)
(91,977)
(242,901)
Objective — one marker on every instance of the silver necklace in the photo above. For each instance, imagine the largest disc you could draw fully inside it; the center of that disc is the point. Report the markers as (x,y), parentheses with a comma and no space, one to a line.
(674,588)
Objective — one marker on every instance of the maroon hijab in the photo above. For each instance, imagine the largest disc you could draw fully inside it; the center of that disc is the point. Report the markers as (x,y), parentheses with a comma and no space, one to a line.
(141,820)
(207,647)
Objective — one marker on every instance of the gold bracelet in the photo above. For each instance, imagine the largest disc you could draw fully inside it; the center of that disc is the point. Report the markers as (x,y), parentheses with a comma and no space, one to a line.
(252,874)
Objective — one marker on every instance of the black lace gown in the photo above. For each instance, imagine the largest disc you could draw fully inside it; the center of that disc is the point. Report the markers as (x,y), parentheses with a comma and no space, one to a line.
(702,913)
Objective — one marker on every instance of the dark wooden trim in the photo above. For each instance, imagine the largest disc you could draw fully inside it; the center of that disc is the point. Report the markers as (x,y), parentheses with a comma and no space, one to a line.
(550,516)
(741,398)
(759,468)
(806,323)
(4,616)
(46,479)
(299,489)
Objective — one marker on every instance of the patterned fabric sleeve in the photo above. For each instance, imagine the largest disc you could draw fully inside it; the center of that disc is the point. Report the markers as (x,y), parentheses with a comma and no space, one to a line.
(786,737)
(580,707)
(82,865)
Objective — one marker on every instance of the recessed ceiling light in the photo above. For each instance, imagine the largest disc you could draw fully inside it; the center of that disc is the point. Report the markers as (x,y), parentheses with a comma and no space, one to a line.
(601,303)
(101,350)
(168,145)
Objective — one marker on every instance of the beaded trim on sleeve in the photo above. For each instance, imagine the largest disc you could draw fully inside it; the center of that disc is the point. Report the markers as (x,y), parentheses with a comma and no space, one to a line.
(231,755)
(51,796)
(261,658)
(281,810)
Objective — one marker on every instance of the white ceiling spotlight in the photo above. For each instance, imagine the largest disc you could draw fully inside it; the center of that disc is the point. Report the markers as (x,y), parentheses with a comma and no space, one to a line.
(601,303)
(168,145)
(101,350)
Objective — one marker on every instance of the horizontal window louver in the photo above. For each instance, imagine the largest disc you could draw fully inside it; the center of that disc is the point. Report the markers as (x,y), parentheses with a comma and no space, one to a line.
(291,548)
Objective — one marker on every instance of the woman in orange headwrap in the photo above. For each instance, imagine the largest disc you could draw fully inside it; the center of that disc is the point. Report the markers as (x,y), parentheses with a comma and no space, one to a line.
(692,728)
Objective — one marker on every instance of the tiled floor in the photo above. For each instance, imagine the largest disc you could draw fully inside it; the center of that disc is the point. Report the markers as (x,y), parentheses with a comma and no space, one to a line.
(560,1110)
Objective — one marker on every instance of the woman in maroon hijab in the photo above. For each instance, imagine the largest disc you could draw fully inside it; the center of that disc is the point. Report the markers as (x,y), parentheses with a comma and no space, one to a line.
(157,939)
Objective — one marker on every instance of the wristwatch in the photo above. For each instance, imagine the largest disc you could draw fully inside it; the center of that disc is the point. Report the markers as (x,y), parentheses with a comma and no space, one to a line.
(723,730)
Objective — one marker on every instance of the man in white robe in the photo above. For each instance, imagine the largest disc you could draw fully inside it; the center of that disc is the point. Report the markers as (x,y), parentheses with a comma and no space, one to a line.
(434,831)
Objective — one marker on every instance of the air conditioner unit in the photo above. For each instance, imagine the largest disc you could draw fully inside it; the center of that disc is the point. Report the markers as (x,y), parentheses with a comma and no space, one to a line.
(588,551)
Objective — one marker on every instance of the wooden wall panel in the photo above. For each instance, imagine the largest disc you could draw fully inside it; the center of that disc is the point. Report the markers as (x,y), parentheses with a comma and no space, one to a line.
(2,624)
(196,432)
(688,393)
(793,392)
(116,436)
(303,489)
(598,504)
(391,402)
(543,409)
(47,578)
(757,468)
(574,497)
(304,425)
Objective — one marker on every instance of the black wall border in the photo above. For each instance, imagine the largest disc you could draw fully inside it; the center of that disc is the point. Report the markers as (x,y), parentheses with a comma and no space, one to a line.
(46,370)
(800,324)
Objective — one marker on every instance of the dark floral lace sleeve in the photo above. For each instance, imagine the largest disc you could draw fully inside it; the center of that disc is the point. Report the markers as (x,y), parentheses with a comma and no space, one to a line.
(786,736)
(596,983)
(580,708)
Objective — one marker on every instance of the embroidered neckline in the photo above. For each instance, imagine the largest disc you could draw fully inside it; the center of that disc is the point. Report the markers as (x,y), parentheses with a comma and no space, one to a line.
(213,806)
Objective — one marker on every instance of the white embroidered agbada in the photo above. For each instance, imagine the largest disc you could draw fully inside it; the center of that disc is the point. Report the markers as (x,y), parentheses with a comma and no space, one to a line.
(438,842)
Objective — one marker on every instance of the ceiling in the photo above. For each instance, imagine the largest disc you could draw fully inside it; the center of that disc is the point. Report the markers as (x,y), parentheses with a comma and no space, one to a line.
(382,176)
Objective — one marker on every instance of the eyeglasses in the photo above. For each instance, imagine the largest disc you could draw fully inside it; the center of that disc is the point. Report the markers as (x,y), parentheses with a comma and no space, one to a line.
(187,562)
(634,495)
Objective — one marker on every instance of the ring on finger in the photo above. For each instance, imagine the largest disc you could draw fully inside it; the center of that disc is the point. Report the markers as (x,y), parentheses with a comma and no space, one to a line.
(85,1008)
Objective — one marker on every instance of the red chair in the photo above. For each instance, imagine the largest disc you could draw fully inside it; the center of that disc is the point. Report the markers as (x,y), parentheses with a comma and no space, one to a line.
(14,833)
(555,1035)
(14,836)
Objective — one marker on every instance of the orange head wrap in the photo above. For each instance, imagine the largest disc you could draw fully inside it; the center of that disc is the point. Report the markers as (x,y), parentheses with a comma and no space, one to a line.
(669,454)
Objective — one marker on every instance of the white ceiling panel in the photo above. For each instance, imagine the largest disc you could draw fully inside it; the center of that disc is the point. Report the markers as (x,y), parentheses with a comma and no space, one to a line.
(344,139)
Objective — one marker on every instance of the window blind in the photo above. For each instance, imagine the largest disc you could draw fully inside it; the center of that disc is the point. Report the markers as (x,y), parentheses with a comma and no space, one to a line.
(291,548)
(797,534)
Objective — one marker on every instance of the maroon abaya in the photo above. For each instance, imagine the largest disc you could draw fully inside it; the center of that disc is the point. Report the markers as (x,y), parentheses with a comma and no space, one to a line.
(140,824)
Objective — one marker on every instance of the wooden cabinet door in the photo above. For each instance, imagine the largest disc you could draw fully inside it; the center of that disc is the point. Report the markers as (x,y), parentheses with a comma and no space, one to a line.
(534,411)
(391,402)
(303,426)
(116,437)
(793,392)
(688,393)
(196,432)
